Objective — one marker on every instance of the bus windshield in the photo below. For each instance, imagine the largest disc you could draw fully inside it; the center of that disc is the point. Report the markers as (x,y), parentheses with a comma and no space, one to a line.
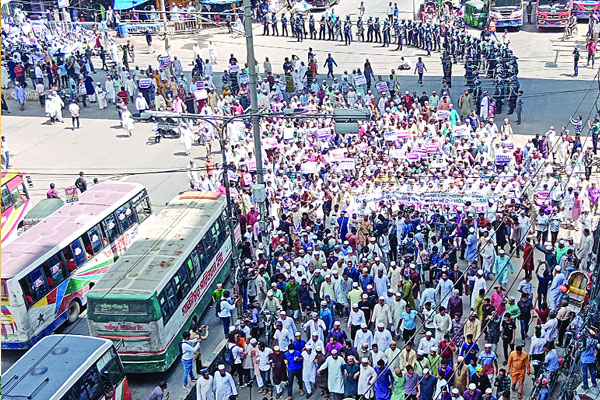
(506,3)
(557,4)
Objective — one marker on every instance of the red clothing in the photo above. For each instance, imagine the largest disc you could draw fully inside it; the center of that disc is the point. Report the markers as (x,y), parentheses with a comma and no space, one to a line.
(591,47)
(528,257)
(123,95)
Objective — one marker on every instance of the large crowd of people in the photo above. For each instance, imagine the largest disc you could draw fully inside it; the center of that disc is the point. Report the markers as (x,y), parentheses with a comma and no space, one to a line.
(393,250)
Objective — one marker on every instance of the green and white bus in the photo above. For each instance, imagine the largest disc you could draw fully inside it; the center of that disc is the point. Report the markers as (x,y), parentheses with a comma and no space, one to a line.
(164,282)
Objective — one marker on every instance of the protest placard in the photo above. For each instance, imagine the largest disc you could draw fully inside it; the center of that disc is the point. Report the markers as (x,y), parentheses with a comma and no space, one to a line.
(323,133)
(145,83)
(288,133)
(232,176)
(360,80)
(381,87)
(461,130)
(390,136)
(442,114)
(234,68)
(247,178)
(396,153)
(244,79)
(337,154)
(347,163)
(502,158)
(403,134)
(309,167)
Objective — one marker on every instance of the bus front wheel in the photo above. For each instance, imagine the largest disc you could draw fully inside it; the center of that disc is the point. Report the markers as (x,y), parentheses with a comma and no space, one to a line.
(74,311)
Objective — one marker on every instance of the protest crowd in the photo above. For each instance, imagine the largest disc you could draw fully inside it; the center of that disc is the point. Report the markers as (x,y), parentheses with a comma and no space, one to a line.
(391,251)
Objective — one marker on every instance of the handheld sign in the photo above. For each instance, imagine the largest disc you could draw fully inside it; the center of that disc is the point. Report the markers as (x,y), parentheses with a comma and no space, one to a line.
(360,80)
(234,69)
(502,158)
(164,61)
(145,83)
(382,87)
(244,79)
(199,85)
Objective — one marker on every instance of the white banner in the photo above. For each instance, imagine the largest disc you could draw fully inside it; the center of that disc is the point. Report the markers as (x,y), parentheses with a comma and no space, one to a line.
(446,202)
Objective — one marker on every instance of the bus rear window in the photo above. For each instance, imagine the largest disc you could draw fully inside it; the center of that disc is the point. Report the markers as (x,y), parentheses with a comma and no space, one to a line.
(129,308)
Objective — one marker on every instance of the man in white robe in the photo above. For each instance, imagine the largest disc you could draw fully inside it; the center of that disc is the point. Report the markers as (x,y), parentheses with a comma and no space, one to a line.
(223,384)
(309,368)
(366,376)
(204,387)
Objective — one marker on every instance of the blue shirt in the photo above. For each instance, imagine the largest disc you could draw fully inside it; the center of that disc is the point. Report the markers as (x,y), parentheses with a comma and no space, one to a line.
(293,365)
(409,319)
(327,318)
(588,354)
(469,351)
(551,361)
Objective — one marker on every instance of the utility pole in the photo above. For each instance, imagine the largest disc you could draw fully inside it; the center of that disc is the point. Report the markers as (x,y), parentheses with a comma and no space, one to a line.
(258,189)
(164,14)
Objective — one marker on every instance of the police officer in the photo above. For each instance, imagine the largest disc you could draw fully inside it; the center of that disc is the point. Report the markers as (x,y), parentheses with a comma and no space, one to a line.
(322,24)
(377,30)
(361,29)
(311,27)
(265,21)
(370,29)
(274,28)
(284,21)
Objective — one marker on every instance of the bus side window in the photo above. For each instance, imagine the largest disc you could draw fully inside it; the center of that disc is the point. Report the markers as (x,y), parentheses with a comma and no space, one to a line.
(170,295)
(92,240)
(79,252)
(224,228)
(35,286)
(69,258)
(125,217)
(208,248)
(110,228)
(196,263)
(55,271)
(164,307)
(142,208)
(111,373)
(182,284)
(190,270)
(88,387)
(201,251)
(6,198)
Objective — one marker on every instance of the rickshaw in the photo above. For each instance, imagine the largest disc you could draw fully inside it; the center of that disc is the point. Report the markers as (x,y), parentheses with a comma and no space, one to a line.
(577,290)
(476,14)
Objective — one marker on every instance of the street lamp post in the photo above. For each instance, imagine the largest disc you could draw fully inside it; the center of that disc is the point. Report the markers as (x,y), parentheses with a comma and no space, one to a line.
(258,190)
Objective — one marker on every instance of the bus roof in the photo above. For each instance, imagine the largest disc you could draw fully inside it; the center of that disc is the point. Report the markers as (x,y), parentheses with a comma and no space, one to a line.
(8,174)
(45,368)
(62,224)
(143,269)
